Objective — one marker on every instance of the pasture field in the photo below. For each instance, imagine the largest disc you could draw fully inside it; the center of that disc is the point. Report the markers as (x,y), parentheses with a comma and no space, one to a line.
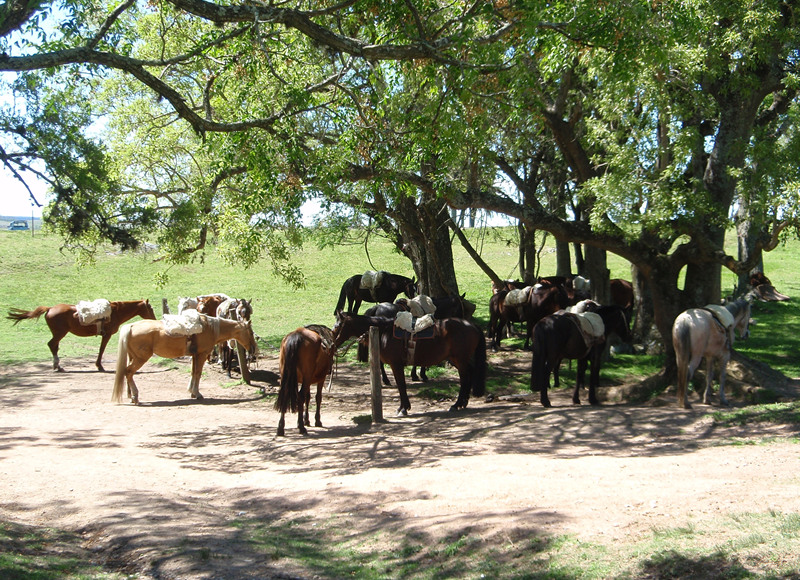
(176,489)
(36,271)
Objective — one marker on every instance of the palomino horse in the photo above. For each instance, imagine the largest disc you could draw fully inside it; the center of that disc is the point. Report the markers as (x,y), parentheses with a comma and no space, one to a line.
(306,357)
(386,291)
(700,333)
(141,340)
(453,339)
(554,340)
(543,299)
(241,310)
(63,318)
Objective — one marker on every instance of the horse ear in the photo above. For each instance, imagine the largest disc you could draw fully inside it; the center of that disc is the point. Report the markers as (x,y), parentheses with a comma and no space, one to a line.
(464,295)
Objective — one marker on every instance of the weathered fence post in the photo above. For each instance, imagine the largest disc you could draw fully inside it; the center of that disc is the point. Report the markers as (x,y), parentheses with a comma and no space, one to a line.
(164,306)
(375,373)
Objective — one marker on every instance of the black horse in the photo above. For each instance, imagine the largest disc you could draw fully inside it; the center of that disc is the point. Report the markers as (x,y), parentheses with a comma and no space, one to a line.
(452,339)
(387,289)
(558,336)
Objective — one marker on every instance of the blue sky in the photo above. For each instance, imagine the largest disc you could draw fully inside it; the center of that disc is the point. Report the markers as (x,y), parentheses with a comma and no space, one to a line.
(15,201)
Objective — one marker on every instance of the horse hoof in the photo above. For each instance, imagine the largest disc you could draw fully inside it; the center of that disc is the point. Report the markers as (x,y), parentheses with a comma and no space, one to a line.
(280,433)
(402,413)
(199,397)
(454,408)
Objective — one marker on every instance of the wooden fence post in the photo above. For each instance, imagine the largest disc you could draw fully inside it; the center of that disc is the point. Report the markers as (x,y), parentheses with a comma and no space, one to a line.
(375,373)
(164,306)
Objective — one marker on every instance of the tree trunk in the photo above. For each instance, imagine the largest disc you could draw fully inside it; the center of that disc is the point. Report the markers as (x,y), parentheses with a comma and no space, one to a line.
(426,242)
(597,272)
(563,259)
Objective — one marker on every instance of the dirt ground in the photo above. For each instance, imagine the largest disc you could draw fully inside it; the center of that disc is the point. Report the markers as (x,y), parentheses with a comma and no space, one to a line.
(150,487)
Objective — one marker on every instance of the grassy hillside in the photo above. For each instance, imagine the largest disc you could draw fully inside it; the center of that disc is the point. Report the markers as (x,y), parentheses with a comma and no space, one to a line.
(37,272)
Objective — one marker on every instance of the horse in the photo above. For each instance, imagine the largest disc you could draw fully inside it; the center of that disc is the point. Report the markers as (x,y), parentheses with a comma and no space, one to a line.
(453,339)
(210,303)
(386,291)
(542,299)
(141,340)
(306,356)
(615,321)
(700,333)
(63,318)
(559,336)
(241,310)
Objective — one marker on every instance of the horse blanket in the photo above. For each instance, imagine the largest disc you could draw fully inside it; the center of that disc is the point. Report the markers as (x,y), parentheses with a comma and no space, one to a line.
(519,296)
(92,311)
(408,322)
(421,305)
(372,280)
(185,324)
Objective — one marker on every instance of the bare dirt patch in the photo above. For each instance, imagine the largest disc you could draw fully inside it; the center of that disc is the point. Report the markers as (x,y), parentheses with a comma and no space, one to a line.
(156,487)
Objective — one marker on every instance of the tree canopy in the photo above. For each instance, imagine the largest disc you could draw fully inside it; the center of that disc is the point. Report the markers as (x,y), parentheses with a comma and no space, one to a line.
(641,128)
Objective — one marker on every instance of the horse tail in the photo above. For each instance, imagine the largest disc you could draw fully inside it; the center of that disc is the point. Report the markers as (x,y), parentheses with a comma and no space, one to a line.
(479,366)
(122,363)
(290,354)
(17,314)
(342,297)
(682,344)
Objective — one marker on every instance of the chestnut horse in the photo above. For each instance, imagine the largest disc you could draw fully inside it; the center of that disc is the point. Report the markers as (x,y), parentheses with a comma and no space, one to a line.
(700,333)
(141,340)
(306,357)
(453,339)
(63,319)
(390,286)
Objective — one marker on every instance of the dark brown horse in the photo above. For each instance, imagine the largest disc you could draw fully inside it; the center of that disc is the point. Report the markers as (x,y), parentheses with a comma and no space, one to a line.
(387,289)
(141,340)
(542,299)
(63,319)
(306,357)
(452,339)
(558,336)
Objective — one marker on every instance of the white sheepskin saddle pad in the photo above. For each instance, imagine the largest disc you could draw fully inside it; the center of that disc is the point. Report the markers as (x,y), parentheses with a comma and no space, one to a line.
(92,311)
(184,324)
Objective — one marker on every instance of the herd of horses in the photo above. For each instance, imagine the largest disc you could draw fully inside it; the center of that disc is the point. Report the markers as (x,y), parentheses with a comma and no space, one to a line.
(554,329)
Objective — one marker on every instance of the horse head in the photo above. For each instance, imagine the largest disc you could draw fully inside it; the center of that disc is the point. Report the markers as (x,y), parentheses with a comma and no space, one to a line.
(244,309)
(147,310)
(410,289)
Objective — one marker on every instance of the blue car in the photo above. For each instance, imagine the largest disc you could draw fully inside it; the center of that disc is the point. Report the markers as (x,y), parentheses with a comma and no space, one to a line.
(18,225)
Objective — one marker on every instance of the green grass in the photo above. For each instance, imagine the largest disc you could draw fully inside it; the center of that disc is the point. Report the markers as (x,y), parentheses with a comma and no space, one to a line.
(743,545)
(29,553)
(36,271)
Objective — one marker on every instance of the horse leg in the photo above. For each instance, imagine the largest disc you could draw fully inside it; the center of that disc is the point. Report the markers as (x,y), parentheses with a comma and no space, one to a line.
(400,380)
(282,425)
(198,360)
(302,408)
(465,380)
(581,374)
(130,370)
(103,343)
(317,416)
(53,344)
(385,377)
(305,402)
(594,374)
